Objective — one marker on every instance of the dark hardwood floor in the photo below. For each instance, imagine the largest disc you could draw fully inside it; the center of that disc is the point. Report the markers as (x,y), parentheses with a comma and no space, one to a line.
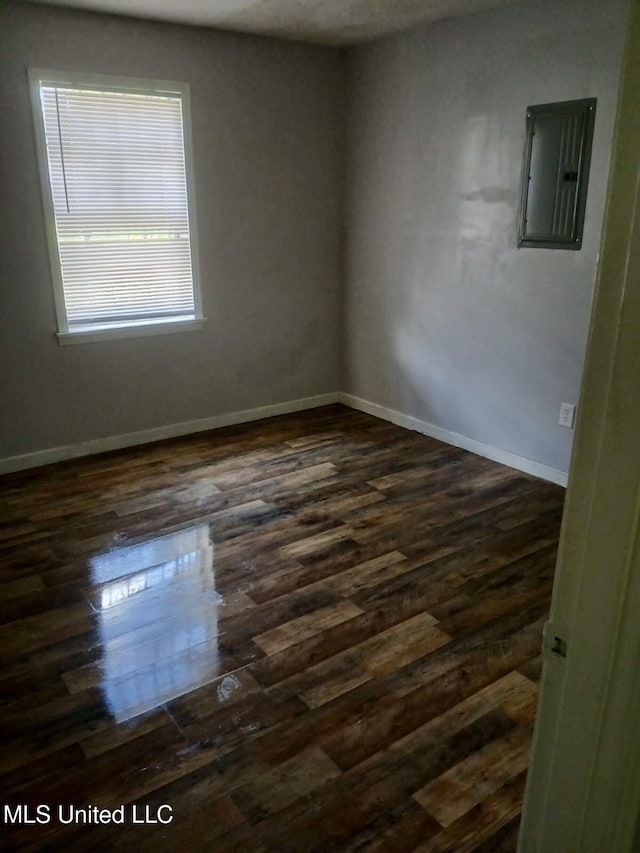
(317,632)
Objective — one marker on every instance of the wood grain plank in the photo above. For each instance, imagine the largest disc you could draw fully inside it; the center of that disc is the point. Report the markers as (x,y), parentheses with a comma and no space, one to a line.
(472,781)
(342,654)
(299,629)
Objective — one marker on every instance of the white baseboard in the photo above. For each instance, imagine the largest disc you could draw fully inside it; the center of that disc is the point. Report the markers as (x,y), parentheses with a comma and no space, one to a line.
(512,460)
(131,439)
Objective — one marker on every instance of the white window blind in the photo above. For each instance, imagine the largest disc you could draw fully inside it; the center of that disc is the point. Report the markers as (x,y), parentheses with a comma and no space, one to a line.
(116,166)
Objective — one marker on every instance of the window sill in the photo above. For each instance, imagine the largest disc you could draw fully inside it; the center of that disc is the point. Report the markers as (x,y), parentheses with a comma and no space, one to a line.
(89,335)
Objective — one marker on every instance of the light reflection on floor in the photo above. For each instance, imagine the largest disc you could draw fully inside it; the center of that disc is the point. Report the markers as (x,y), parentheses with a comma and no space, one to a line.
(158,619)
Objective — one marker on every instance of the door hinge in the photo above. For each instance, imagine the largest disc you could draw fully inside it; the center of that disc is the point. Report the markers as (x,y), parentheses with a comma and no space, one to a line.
(554,642)
(559,647)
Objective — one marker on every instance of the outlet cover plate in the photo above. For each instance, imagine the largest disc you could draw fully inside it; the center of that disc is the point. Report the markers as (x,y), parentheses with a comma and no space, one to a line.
(567,415)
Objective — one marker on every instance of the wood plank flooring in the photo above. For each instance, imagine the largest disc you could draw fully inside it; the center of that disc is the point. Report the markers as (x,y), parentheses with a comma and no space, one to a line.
(318,632)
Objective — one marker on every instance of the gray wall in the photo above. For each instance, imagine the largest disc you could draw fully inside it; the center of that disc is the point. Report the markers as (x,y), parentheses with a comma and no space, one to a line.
(267,128)
(416,299)
(445,319)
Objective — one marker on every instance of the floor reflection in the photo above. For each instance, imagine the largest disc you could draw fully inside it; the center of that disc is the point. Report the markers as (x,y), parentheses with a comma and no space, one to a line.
(158,619)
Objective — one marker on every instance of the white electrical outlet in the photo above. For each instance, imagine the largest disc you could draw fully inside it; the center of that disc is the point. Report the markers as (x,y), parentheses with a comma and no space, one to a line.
(567,415)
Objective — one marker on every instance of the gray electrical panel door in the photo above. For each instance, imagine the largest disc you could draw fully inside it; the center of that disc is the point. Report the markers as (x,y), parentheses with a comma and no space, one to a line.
(555,175)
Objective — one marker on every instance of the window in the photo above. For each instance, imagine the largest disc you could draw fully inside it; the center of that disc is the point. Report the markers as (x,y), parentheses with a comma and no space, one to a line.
(119,208)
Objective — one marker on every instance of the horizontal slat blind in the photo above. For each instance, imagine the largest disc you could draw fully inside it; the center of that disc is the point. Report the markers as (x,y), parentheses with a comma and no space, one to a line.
(117,171)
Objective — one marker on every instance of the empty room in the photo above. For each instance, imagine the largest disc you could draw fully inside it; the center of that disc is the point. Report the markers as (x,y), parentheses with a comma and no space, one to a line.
(319,376)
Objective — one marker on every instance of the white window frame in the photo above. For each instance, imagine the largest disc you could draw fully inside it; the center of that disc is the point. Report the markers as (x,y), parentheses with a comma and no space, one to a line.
(105,82)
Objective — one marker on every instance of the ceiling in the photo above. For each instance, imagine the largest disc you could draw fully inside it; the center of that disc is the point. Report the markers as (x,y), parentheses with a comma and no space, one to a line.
(337,22)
